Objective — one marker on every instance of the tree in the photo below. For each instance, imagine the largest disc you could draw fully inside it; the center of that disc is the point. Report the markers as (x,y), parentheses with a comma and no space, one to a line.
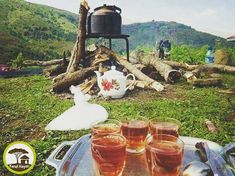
(18,152)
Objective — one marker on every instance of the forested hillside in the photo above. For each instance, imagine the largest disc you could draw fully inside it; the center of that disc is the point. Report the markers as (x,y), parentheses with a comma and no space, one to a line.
(37,31)
(41,32)
(150,32)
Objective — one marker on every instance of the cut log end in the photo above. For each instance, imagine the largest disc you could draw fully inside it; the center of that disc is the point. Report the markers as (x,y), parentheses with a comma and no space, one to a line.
(173,76)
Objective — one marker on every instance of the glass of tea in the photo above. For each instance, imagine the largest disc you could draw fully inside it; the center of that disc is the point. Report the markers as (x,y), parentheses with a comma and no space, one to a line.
(164,155)
(135,131)
(109,126)
(109,154)
(164,126)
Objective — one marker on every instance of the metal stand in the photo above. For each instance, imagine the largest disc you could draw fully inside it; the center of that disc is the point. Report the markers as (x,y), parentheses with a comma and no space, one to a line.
(110,37)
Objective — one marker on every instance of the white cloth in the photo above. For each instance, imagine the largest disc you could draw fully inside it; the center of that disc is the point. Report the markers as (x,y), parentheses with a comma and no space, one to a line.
(81,116)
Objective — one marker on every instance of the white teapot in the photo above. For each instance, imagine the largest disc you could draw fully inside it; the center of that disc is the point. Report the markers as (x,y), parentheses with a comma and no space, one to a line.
(113,83)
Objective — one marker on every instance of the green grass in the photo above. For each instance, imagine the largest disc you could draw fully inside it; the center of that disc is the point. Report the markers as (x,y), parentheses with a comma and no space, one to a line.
(27,106)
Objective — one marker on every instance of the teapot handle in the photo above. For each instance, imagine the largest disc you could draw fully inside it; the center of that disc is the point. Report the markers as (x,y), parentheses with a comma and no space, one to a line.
(133,76)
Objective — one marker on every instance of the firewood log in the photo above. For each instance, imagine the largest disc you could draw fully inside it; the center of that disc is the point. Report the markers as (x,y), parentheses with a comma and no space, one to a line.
(131,68)
(140,84)
(99,58)
(167,72)
(73,57)
(44,63)
(181,65)
(221,68)
(207,82)
(214,68)
(189,76)
(73,79)
(87,85)
(79,49)
(55,70)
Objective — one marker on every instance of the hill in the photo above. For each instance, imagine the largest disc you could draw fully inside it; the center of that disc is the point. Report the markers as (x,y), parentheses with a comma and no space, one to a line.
(150,32)
(35,30)
(42,32)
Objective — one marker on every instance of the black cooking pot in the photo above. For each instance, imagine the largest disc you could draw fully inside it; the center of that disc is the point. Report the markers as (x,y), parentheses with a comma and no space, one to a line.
(105,20)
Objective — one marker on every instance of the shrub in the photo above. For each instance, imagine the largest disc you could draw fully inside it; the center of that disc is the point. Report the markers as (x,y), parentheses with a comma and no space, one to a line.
(18,63)
(188,54)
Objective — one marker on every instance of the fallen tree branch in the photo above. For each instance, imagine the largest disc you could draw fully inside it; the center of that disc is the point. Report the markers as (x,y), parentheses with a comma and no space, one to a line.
(207,82)
(44,63)
(214,68)
(181,65)
(220,68)
(140,84)
(73,79)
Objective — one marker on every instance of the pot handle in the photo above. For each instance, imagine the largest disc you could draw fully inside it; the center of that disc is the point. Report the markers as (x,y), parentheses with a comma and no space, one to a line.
(118,9)
(55,162)
(133,76)
(52,160)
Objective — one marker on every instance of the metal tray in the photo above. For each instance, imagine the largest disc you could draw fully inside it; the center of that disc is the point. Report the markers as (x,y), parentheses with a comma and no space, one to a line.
(78,161)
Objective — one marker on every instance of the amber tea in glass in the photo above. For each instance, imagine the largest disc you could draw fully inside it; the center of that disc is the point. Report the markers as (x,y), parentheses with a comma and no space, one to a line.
(135,131)
(109,154)
(168,126)
(164,155)
(109,126)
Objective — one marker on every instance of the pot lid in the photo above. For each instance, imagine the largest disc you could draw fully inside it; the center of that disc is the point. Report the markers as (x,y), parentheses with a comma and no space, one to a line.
(113,72)
(106,9)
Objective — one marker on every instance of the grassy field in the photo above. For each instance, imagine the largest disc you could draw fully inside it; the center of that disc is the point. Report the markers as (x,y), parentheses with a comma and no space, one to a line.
(27,106)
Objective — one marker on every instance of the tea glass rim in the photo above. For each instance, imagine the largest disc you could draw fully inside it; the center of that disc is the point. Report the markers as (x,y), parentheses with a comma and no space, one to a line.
(113,146)
(103,122)
(116,122)
(177,141)
(138,118)
(162,119)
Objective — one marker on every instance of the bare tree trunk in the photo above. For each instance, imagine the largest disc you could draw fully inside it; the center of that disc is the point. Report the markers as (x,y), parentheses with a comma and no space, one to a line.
(78,53)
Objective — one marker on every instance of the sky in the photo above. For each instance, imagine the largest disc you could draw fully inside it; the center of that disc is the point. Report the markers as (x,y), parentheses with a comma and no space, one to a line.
(212,16)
